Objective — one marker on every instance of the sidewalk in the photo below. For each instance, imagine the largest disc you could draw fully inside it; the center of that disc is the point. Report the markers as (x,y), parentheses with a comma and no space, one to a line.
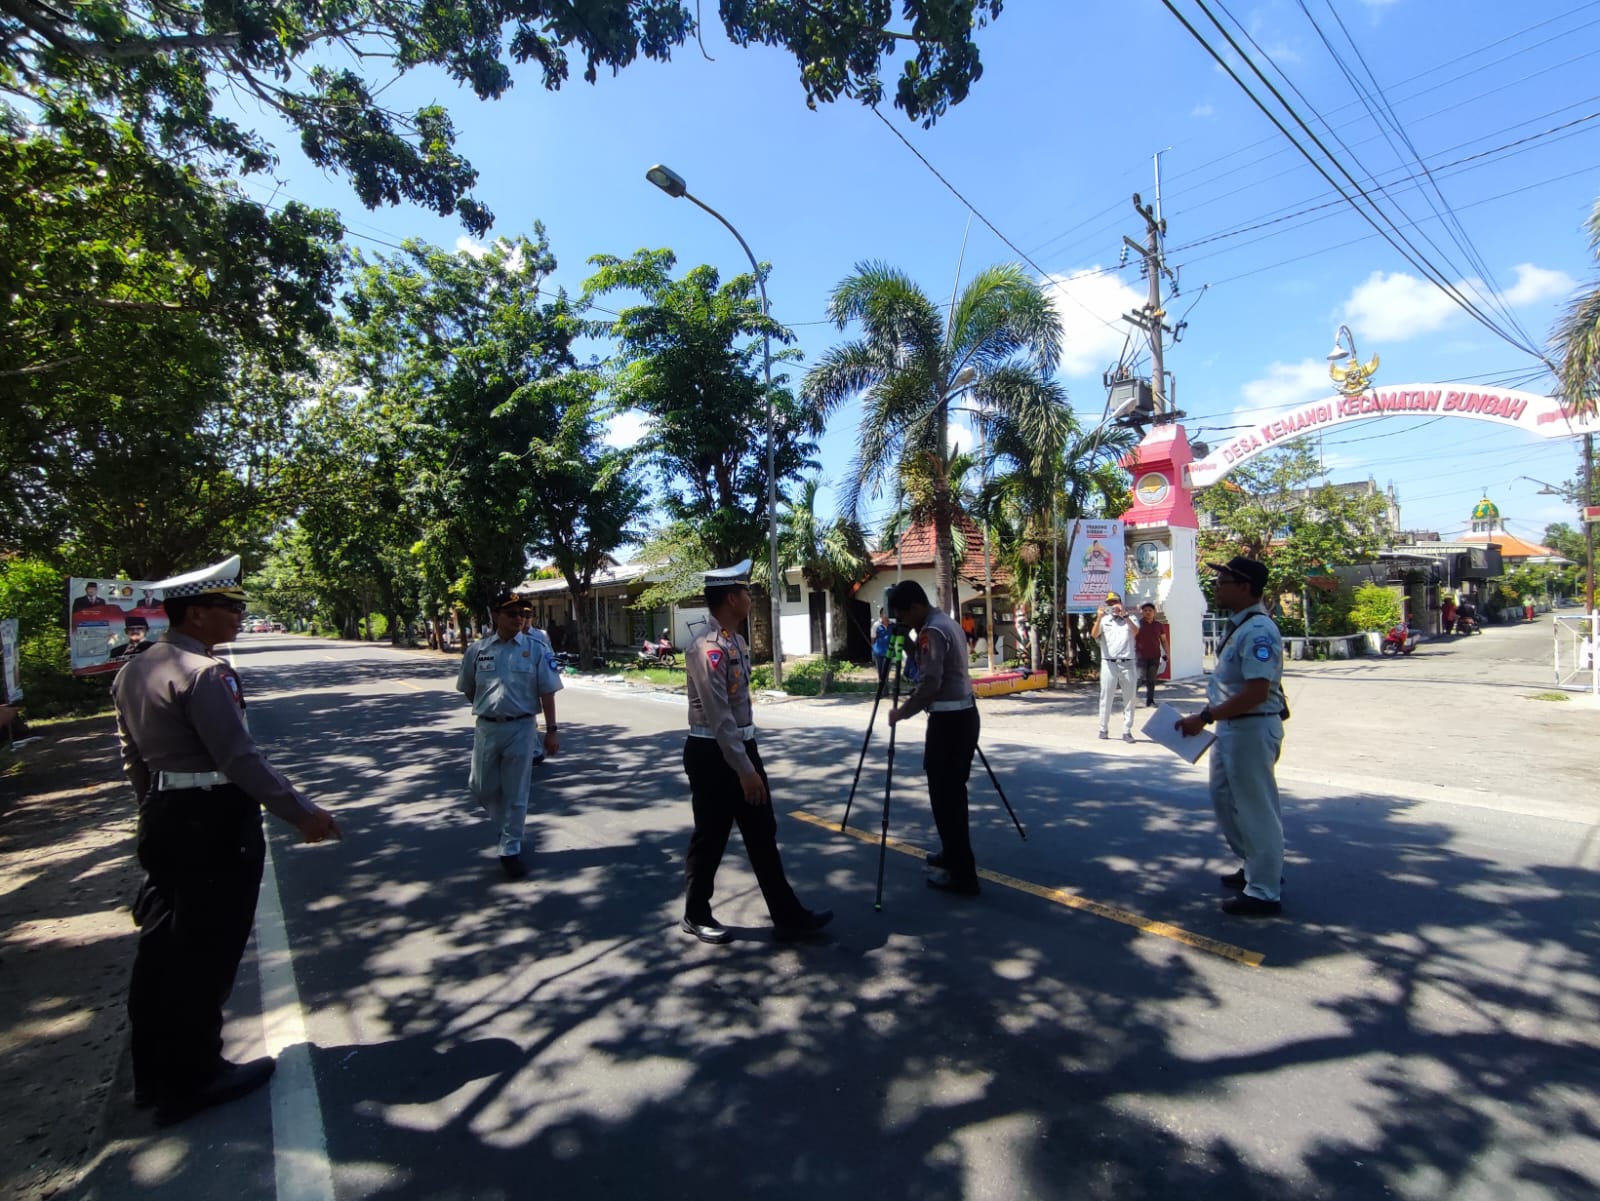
(67,876)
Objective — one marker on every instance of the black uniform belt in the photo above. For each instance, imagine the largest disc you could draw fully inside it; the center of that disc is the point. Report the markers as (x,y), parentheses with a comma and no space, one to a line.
(491,717)
(1119,660)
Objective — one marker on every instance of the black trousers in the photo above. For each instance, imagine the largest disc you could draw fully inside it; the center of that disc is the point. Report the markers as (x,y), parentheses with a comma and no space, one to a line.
(202,852)
(719,803)
(947,760)
(1149,672)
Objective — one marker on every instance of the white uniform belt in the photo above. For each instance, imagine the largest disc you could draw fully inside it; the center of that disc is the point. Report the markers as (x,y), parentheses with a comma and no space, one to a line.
(746,733)
(172,781)
(951,706)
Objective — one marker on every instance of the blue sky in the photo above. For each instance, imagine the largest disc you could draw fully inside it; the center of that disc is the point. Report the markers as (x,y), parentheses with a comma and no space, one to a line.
(1075,100)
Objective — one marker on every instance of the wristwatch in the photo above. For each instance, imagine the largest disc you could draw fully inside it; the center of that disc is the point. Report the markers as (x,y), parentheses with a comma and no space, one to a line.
(1206,716)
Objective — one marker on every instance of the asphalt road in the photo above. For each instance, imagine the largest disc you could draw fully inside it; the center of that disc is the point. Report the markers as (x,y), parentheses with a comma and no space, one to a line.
(1420,1024)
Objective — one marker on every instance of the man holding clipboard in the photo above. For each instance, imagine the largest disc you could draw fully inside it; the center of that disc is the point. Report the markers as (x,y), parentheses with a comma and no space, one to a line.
(1245,699)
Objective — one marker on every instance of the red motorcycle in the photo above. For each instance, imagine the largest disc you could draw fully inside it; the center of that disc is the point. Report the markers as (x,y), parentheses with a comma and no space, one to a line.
(659,654)
(1400,640)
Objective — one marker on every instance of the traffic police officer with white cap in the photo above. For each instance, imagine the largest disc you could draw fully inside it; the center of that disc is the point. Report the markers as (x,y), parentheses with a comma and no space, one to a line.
(201,784)
(1245,699)
(506,676)
(727,781)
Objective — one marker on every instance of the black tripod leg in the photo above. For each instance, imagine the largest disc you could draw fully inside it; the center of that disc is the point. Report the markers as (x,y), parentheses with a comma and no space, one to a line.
(984,759)
(883,682)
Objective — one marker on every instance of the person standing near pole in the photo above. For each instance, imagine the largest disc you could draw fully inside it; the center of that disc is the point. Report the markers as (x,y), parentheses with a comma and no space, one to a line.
(727,781)
(506,676)
(944,689)
(201,785)
(1152,644)
(1245,698)
(1115,630)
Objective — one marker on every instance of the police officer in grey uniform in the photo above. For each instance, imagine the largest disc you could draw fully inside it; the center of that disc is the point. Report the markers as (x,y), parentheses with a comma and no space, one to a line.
(945,690)
(727,782)
(1245,698)
(201,785)
(507,676)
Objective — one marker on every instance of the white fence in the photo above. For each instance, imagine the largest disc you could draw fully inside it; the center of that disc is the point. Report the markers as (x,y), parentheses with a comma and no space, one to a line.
(1576,639)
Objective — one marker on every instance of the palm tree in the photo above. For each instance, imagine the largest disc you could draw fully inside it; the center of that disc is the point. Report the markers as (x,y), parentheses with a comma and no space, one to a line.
(1035,484)
(1576,339)
(999,346)
(832,556)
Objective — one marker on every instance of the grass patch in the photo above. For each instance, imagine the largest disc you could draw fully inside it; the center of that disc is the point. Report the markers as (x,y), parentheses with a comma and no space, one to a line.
(1549,696)
(657,675)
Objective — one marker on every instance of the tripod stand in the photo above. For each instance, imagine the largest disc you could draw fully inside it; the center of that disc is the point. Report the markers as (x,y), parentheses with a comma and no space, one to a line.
(897,655)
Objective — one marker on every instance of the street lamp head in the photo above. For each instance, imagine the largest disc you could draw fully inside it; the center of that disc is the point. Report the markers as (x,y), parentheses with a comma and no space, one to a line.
(668,180)
(964,378)
(1344,345)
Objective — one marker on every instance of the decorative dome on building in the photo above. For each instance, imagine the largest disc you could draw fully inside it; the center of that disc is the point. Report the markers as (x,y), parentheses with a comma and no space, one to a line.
(1486,517)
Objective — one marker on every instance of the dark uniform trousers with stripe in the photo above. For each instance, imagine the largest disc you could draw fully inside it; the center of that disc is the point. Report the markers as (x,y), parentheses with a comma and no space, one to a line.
(202,851)
(719,802)
(947,760)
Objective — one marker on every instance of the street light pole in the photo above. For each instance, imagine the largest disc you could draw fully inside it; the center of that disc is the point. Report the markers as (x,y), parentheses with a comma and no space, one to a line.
(670,182)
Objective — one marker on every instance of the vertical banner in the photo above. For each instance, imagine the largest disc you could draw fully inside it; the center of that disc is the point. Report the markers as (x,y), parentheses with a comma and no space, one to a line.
(107,619)
(10,683)
(1094,564)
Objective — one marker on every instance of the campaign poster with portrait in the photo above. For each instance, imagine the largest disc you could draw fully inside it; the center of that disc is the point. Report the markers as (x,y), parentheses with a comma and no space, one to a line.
(1095,555)
(107,619)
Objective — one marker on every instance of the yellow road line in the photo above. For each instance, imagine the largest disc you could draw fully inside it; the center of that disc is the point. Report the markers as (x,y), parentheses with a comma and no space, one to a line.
(413,687)
(1061,896)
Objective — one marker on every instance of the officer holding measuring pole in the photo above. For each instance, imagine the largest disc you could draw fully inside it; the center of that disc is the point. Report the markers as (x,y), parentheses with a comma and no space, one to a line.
(944,690)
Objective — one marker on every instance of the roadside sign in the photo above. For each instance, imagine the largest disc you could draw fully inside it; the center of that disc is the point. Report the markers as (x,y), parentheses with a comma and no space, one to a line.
(1591,513)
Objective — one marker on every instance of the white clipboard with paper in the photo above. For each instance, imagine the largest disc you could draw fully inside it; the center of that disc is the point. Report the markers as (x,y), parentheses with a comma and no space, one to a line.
(1162,728)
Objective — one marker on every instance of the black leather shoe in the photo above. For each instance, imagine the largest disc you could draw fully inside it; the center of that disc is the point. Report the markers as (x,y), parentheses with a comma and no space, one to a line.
(812,922)
(513,867)
(710,930)
(232,1082)
(1245,905)
(934,859)
(945,882)
(1127,738)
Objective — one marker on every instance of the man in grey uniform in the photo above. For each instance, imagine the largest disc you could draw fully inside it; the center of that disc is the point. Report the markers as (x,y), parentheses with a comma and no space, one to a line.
(201,784)
(1116,630)
(727,782)
(945,691)
(506,676)
(1245,698)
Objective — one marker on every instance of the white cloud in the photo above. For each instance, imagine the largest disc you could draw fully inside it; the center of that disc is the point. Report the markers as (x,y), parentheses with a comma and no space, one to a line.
(1089,306)
(1398,306)
(1285,386)
(1539,283)
(1202,110)
(466,245)
(625,429)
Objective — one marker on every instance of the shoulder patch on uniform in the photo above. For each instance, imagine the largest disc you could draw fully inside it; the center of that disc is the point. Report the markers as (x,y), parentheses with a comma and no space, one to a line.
(553,663)
(1261,648)
(714,656)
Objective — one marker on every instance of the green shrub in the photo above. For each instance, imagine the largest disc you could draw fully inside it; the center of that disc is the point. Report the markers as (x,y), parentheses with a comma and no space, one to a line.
(1375,608)
(1330,614)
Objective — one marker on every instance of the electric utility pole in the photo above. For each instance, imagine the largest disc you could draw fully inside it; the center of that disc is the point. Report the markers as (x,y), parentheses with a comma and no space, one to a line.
(1151,319)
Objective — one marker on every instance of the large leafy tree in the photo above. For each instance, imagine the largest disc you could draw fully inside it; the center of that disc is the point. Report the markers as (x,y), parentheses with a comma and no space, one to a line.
(157,65)
(831,554)
(689,358)
(148,317)
(910,367)
(586,499)
(449,351)
(1273,510)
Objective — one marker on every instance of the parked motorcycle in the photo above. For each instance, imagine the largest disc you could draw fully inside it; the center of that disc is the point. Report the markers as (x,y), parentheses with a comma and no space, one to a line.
(1400,640)
(658,654)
